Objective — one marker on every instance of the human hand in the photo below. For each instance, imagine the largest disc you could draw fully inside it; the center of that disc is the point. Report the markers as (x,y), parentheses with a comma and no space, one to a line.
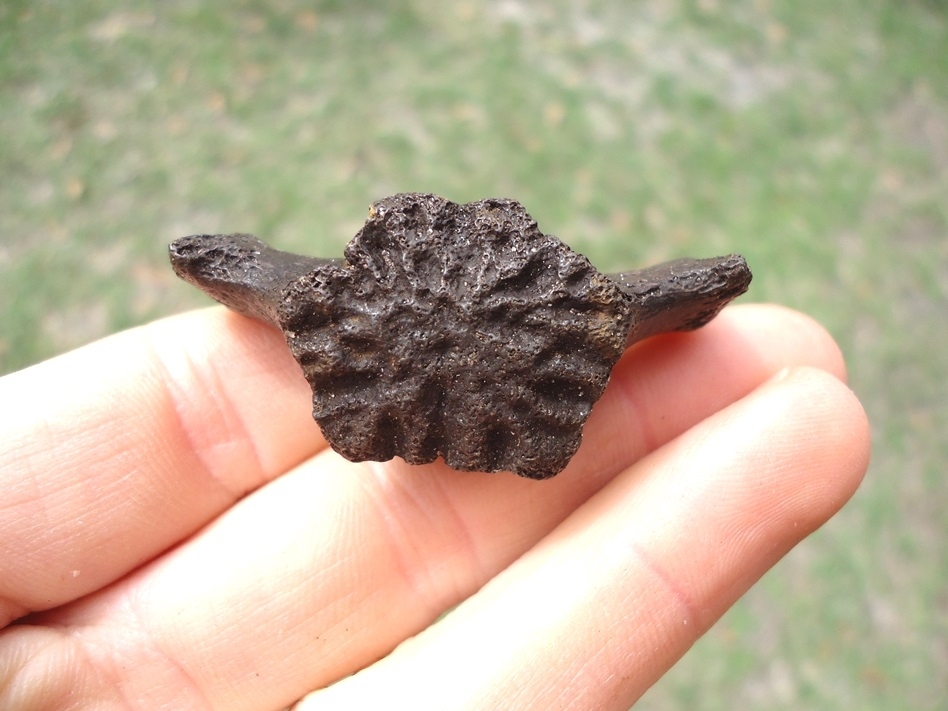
(174,533)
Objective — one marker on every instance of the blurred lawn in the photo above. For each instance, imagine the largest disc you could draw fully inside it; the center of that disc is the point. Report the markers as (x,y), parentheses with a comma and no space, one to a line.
(812,137)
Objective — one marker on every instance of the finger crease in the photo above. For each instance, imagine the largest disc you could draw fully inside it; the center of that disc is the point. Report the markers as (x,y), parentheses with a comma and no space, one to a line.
(189,423)
(642,423)
(427,535)
(685,601)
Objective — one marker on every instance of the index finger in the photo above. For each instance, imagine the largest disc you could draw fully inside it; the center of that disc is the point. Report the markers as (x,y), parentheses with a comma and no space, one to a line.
(114,452)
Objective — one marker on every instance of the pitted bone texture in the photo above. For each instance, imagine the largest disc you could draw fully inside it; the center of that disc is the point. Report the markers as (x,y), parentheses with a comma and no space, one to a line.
(458,330)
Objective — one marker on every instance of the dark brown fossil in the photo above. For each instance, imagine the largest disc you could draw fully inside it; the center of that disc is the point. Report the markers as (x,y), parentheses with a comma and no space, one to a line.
(456,330)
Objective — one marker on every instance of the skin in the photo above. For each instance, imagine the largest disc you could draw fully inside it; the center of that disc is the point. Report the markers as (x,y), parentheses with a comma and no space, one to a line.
(174,533)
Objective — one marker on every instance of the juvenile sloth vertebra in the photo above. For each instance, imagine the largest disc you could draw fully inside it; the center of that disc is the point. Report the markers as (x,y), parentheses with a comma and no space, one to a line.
(459,330)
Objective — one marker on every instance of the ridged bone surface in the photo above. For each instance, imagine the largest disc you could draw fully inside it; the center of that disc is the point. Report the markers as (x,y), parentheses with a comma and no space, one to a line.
(458,330)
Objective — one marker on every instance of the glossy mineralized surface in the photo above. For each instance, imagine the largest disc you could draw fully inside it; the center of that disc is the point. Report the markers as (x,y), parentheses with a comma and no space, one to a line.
(455,330)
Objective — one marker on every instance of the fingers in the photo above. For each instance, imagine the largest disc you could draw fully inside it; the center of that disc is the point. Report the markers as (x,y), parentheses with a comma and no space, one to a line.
(116,451)
(604,605)
(665,385)
(327,569)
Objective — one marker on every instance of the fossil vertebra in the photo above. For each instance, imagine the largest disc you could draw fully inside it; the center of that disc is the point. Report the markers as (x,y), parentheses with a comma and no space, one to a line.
(456,330)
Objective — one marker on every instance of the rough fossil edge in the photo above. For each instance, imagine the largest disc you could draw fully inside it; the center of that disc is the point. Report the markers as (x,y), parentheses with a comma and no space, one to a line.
(456,330)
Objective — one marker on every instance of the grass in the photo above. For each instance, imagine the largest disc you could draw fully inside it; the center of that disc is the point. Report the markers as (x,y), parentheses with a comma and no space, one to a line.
(811,137)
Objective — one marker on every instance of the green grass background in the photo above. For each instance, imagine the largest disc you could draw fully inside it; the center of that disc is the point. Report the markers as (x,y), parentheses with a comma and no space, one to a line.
(812,137)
